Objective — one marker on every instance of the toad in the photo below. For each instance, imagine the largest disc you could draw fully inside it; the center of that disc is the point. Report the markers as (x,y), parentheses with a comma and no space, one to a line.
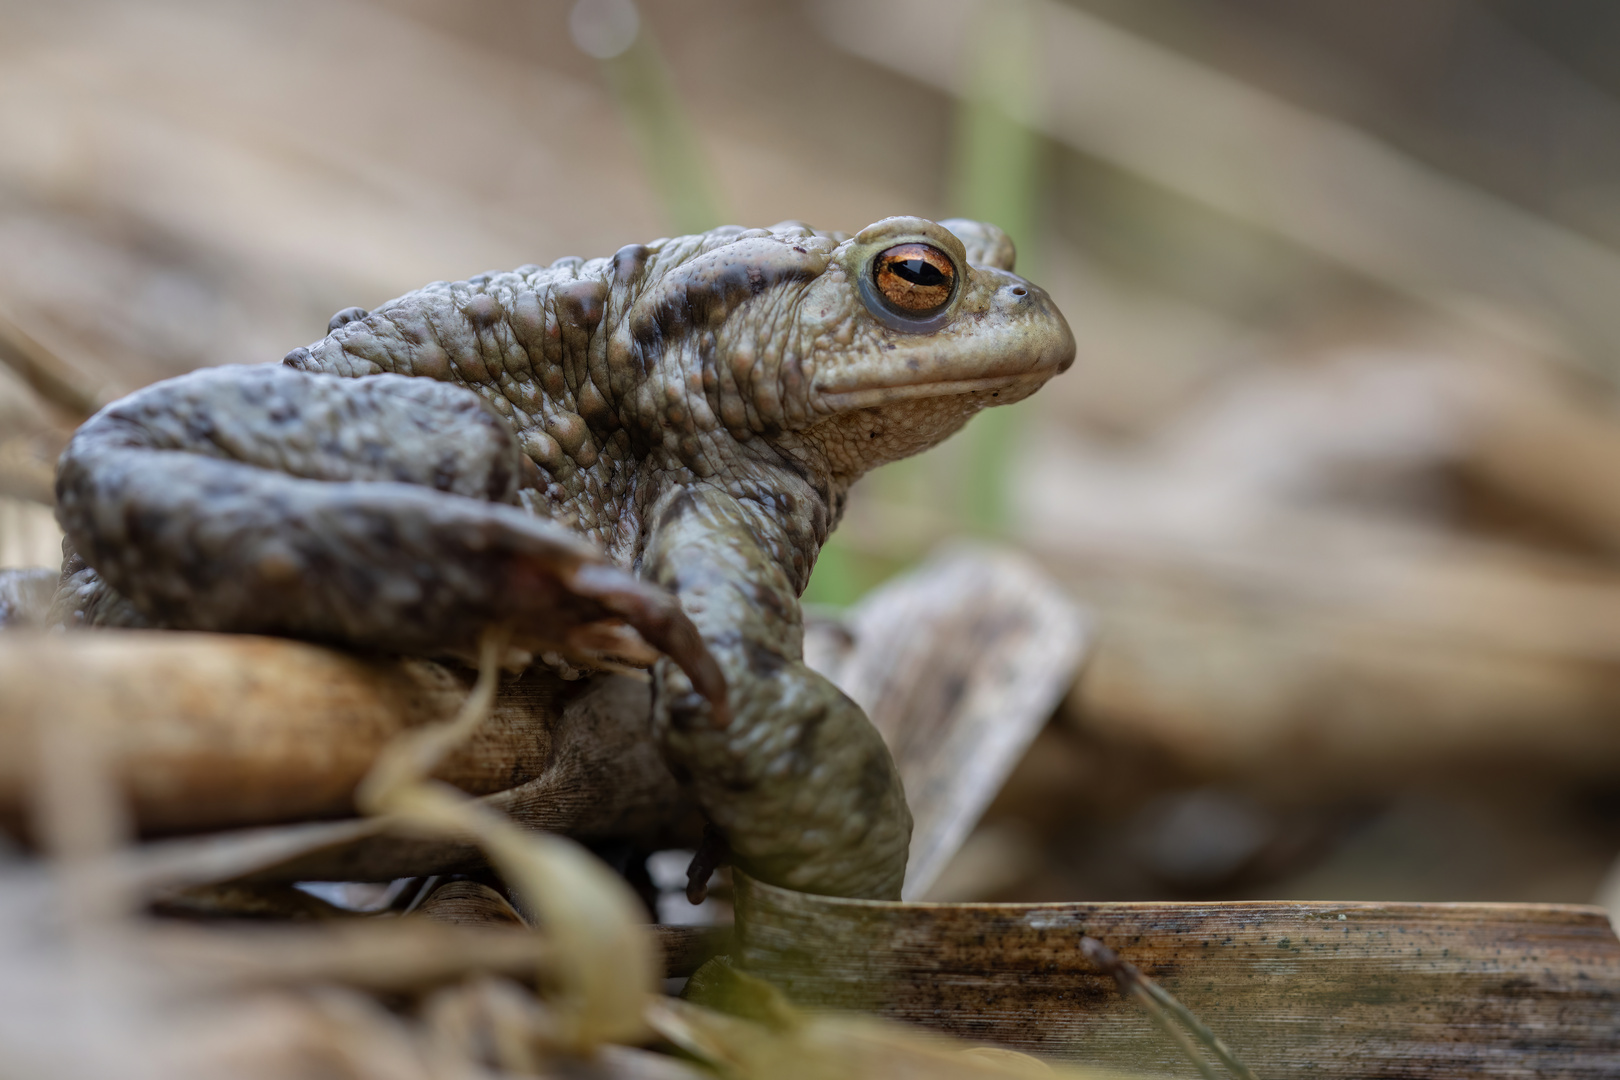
(599,456)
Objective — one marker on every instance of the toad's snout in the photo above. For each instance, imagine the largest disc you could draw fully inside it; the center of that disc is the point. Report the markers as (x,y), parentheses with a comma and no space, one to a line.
(1049,343)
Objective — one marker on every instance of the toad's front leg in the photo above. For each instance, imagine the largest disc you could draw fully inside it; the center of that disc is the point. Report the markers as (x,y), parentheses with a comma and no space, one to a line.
(798,779)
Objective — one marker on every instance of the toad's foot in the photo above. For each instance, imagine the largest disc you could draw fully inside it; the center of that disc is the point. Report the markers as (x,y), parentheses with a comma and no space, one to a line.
(799,781)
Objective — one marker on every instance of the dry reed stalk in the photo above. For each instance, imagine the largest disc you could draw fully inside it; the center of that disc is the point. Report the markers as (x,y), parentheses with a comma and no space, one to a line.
(1322,990)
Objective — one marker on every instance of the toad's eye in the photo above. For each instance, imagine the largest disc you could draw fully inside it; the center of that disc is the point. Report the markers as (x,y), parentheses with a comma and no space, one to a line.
(914,279)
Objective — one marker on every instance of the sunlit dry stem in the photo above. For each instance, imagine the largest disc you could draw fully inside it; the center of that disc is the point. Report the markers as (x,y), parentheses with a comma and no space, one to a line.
(1158,1003)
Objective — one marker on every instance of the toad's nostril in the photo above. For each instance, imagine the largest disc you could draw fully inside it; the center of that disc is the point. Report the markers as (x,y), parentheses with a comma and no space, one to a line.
(1018,290)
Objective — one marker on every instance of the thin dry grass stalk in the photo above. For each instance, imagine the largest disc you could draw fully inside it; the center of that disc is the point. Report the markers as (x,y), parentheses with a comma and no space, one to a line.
(47,374)
(1166,1011)
(606,961)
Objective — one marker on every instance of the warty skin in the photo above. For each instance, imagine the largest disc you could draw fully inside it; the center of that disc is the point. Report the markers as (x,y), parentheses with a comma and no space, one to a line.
(695,408)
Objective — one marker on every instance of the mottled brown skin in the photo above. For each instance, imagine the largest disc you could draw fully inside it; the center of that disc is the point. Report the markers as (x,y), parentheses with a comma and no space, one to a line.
(696,407)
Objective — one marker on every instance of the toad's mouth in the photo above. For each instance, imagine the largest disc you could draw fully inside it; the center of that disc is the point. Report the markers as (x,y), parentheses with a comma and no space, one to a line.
(867,397)
(970,360)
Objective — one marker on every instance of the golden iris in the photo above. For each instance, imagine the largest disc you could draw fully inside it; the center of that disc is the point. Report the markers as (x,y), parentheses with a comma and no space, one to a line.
(914,279)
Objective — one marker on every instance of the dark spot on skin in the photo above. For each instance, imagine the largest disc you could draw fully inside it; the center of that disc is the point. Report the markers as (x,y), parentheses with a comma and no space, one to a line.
(762,662)
(804,743)
(912,364)
(594,408)
(770,602)
(629,261)
(684,501)
(871,434)
(873,784)
(482,310)
(283,412)
(345,317)
(706,290)
(297,358)
(585,301)
(800,250)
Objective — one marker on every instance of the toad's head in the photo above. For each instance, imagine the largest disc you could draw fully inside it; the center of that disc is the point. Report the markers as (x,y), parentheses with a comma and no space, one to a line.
(855,350)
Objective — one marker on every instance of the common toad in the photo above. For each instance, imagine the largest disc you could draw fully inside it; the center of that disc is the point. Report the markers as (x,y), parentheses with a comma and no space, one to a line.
(664,437)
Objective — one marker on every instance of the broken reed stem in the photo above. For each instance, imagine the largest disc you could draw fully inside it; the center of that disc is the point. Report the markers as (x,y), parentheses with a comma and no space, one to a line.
(1161,1006)
(605,960)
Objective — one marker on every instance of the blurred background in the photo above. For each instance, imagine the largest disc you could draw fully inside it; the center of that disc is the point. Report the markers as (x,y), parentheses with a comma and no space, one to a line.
(1337,470)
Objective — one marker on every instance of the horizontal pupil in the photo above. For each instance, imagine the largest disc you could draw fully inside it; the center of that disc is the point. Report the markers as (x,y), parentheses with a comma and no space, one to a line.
(918,272)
